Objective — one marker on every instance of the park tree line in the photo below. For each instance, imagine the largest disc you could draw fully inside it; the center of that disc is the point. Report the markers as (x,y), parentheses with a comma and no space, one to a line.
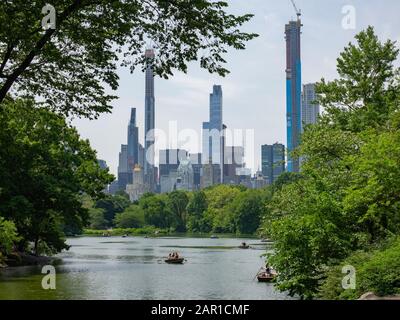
(218,209)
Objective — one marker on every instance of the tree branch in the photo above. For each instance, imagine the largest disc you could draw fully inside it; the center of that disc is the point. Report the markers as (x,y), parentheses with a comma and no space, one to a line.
(7,56)
(39,46)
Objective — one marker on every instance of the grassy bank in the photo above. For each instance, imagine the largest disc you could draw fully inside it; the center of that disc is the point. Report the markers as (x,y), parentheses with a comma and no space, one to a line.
(156,232)
(150,230)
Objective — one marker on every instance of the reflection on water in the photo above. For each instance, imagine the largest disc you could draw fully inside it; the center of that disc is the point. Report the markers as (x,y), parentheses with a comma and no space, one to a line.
(134,268)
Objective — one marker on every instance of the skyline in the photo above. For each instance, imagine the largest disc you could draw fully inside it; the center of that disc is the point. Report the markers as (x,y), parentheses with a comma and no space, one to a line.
(257,80)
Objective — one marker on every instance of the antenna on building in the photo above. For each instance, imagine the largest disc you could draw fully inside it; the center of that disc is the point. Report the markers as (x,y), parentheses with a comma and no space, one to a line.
(298,11)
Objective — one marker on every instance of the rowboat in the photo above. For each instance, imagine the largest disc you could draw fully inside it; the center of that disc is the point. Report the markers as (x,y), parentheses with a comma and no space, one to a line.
(175,260)
(244,245)
(264,276)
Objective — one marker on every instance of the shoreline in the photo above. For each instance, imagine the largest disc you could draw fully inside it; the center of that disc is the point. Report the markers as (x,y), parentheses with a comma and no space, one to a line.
(19,259)
(160,234)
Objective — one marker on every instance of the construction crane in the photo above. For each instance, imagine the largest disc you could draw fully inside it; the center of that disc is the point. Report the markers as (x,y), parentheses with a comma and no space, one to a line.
(298,12)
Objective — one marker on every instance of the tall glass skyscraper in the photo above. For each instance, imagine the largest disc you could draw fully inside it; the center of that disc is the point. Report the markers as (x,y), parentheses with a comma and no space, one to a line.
(149,122)
(233,162)
(123,170)
(133,142)
(309,109)
(272,161)
(293,90)
(213,131)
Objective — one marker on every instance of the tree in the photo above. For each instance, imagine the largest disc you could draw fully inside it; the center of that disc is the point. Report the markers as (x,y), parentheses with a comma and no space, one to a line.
(195,209)
(176,204)
(44,169)
(308,232)
(247,209)
(207,223)
(155,213)
(284,179)
(8,236)
(218,198)
(198,204)
(377,271)
(122,193)
(373,197)
(347,196)
(132,217)
(112,204)
(67,67)
(220,195)
(97,220)
(364,94)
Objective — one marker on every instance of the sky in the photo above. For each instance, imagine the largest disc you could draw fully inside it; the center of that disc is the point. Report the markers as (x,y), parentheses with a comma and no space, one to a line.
(254,92)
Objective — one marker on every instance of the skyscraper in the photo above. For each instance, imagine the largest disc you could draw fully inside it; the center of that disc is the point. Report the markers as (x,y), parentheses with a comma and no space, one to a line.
(185,176)
(141,156)
(137,188)
(293,90)
(149,122)
(123,171)
(233,160)
(210,175)
(195,159)
(133,142)
(206,155)
(258,181)
(170,160)
(272,161)
(309,109)
(244,175)
(213,132)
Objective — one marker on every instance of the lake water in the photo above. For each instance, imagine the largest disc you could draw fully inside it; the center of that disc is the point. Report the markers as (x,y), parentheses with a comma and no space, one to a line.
(134,268)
